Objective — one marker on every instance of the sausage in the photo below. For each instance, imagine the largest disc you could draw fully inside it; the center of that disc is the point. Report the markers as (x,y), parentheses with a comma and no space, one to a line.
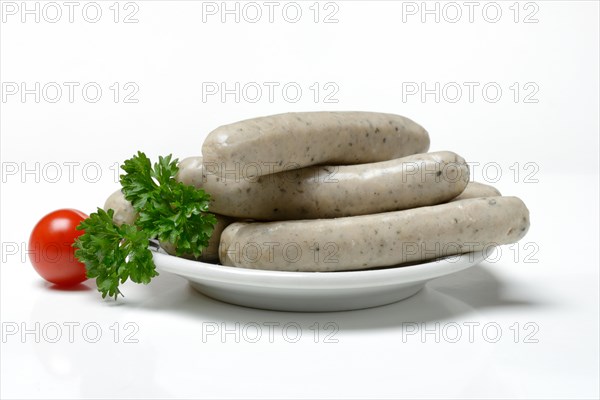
(476,189)
(211,252)
(333,191)
(275,143)
(379,240)
(126,214)
(124,211)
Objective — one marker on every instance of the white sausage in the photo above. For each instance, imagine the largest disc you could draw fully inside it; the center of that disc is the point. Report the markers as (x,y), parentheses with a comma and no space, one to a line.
(124,211)
(266,145)
(377,240)
(333,191)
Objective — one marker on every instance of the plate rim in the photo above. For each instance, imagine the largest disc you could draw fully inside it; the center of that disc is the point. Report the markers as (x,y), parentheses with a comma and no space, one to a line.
(380,277)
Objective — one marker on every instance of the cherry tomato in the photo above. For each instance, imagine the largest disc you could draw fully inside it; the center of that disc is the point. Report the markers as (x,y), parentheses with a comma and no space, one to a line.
(51,251)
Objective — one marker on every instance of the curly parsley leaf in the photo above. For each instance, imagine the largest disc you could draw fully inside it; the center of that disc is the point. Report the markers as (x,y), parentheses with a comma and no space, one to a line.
(138,182)
(168,210)
(112,254)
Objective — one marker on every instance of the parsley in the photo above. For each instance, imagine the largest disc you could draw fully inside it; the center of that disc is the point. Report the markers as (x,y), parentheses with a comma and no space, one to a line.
(112,253)
(168,210)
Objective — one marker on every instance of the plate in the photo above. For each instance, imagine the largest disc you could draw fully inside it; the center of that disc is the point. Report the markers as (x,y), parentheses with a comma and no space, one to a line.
(312,291)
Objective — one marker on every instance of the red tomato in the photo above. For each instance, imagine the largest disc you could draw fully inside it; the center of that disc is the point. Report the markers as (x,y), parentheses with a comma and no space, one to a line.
(51,251)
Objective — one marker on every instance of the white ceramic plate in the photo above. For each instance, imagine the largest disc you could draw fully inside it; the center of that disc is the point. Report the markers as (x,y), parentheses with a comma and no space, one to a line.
(311,291)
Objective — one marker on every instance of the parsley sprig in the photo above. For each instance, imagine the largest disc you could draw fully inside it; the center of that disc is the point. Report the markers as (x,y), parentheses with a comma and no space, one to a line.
(112,253)
(168,210)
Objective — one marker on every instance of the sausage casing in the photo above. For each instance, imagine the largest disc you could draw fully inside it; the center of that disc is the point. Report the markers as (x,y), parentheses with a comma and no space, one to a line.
(270,144)
(378,240)
(332,191)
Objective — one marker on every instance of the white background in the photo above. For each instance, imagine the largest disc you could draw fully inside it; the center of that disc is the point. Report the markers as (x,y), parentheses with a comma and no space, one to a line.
(372,54)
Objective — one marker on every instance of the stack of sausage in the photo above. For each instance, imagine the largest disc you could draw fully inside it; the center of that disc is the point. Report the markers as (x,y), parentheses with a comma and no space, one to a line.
(334,191)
